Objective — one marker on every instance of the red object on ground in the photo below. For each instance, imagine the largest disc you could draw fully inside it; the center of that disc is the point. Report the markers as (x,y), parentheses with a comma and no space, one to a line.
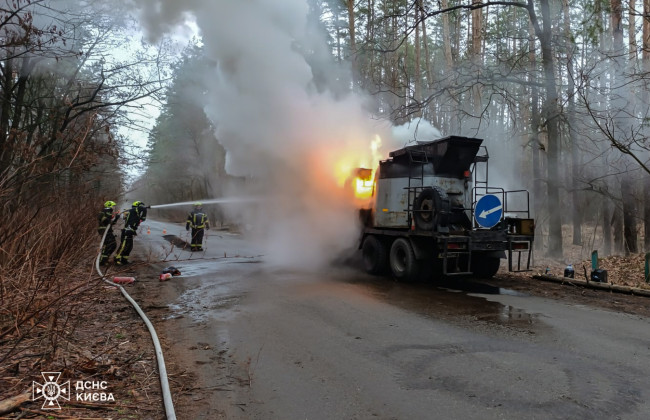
(173,270)
(123,280)
(165,276)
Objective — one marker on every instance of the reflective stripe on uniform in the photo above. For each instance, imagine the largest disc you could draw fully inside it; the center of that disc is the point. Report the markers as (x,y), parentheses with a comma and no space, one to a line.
(201,224)
(119,251)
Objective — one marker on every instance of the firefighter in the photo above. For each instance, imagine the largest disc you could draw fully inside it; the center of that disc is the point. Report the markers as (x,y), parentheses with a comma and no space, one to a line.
(132,220)
(198,221)
(107,218)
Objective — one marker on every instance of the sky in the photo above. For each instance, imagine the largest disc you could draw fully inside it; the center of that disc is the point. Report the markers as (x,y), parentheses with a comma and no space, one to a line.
(149,110)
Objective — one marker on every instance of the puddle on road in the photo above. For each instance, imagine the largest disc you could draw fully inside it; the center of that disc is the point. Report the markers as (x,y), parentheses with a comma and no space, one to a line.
(215,266)
(475,287)
(205,304)
(173,315)
(454,300)
(210,290)
(458,300)
(176,241)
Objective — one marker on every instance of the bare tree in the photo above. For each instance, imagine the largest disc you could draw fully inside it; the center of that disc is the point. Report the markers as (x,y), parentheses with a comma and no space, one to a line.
(646,99)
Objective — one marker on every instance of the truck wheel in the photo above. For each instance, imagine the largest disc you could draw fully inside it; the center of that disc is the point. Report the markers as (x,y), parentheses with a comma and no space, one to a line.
(403,264)
(485,267)
(431,208)
(374,255)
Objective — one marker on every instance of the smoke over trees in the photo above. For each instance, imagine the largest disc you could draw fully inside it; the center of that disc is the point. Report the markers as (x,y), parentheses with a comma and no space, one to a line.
(552,86)
(186,161)
(554,81)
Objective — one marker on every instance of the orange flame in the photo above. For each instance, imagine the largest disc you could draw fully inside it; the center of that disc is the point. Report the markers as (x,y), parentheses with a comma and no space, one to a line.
(363,188)
(351,173)
(363,183)
(347,165)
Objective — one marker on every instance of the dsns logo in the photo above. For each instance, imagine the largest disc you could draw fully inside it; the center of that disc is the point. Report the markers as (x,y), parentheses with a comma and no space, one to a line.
(51,390)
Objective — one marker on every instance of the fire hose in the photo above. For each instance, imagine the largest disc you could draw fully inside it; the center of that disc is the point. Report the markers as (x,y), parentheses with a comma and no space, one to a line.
(162,370)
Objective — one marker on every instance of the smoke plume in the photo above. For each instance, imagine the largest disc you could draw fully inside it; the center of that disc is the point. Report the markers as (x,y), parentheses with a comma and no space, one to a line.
(418,130)
(294,140)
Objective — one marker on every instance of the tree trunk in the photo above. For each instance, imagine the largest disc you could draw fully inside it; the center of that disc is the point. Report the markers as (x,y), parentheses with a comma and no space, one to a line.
(629,217)
(425,44)
(607,227)
(7,88)
(406,82)
(576,213)
(453,122)
(446,39)
(353,42)
(646,67)
(625,227)
(628,185)
(550,112)
(617,224)
(477,38)
(646,214)
(370,38)
(25,70)
(632,31)
(417,79)
(395,79)
(535,120)
(338,35)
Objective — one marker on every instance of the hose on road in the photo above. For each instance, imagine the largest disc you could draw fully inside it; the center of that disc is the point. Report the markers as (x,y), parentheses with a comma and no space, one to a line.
(162,370)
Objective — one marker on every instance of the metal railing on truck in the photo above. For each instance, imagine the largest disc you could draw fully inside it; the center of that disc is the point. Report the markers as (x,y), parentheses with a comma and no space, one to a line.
(519,241)
(503,196)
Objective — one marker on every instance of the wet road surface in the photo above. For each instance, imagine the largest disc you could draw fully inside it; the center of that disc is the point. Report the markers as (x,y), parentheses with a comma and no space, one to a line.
(264,343)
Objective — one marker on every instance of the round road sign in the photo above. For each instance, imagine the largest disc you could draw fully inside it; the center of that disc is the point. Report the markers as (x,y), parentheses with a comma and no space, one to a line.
(488,211)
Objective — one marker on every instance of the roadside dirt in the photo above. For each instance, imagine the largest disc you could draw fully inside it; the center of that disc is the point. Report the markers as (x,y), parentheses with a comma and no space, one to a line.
(569,293)
(106,342)
(622,271)
(199,373)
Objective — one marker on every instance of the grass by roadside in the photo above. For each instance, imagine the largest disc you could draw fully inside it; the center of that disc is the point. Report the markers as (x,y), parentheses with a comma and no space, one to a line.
(56,315)
(103,341)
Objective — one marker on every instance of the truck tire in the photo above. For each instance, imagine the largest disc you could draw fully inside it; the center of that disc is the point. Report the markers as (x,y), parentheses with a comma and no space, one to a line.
(431,209)
(485,267)
(402,260)
(374,255)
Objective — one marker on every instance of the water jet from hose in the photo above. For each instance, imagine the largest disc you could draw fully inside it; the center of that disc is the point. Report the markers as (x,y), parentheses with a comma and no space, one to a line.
(224,200)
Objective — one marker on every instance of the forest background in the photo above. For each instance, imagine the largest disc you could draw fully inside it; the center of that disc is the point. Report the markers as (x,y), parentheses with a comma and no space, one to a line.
(557,89)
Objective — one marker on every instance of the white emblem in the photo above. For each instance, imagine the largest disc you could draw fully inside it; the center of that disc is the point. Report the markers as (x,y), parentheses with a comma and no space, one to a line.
(51,390)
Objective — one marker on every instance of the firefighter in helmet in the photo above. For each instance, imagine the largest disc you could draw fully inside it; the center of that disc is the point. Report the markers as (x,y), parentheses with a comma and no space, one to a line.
(198,221)
(107,218)
(132,220)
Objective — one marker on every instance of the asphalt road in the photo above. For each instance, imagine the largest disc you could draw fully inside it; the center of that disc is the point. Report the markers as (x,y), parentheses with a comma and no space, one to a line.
(260,343)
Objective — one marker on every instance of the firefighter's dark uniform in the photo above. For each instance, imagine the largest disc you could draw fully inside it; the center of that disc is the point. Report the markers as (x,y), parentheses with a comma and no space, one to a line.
(132,219)
(198,221)
(107,218)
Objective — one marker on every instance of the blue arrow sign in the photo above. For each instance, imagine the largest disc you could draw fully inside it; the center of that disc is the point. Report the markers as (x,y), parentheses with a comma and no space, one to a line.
(488,211)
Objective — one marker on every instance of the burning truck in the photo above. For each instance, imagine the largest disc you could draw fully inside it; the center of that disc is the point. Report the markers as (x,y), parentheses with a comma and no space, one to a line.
(432,212)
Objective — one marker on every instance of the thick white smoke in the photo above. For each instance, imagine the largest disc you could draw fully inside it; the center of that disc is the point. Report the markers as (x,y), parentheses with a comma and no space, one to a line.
(295,142)
(417,130)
